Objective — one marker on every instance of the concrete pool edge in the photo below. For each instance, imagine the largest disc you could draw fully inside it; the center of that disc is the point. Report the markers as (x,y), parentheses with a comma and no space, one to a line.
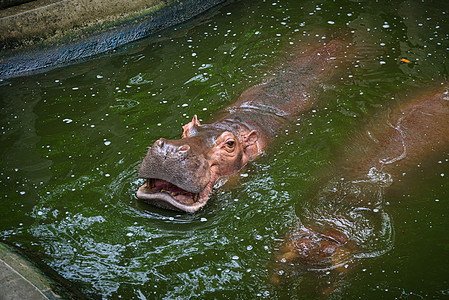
(22,278)
(31,51)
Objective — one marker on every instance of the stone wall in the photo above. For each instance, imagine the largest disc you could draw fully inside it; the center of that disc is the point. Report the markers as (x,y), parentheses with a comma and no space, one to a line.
(47,33)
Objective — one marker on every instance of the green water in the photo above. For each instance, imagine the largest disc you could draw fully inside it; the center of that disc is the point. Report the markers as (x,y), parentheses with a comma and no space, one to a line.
(72,140)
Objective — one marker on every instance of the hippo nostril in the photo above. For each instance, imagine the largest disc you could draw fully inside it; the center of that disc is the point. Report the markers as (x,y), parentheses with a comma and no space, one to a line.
(184,148)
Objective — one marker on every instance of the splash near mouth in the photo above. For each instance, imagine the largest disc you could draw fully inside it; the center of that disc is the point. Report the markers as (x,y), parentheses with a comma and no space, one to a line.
(166,195)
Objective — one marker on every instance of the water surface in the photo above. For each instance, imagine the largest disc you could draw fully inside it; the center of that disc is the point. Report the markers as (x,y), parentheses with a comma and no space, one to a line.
(72,140)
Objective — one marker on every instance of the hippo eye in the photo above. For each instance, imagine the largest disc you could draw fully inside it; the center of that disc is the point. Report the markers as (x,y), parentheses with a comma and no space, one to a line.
(230,144)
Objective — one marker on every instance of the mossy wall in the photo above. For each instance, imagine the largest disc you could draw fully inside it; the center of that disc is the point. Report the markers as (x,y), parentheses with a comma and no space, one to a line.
(47,33)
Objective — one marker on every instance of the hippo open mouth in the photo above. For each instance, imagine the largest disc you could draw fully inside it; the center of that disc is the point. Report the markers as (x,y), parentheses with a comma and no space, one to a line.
(178,176)
(167,195)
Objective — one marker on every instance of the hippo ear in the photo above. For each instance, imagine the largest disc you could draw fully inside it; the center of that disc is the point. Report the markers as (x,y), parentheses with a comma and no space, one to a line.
(188,127)
(251,138)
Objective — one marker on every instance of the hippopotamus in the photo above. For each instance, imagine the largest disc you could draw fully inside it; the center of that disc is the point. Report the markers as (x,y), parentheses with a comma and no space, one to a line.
(180,174)
(347,217)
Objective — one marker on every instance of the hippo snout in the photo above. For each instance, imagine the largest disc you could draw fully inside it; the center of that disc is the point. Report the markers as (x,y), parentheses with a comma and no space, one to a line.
(176,162)
(163,147)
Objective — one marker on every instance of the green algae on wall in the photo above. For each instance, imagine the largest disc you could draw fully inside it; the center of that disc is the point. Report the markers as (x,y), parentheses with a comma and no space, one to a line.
(50,19)
(48,33)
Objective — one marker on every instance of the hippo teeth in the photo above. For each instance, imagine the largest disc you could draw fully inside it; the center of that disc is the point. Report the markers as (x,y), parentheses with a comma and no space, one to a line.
(160,186)
(150,183)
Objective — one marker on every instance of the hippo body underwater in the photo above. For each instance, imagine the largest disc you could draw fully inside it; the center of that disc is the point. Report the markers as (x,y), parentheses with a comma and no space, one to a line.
(180,174)
(347,217)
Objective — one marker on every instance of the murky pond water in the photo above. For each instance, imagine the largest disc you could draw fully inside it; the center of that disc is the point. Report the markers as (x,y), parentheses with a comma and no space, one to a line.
(72,140)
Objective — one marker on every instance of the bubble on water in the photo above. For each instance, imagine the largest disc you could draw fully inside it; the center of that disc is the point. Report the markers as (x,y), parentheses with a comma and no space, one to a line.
(107,175)
(107,143)
(67,121)
(235,257)
(138,79)
(130,234)
(22,193)
(75,88)
(203,219)
(331,22)
(99,76)
(249,248)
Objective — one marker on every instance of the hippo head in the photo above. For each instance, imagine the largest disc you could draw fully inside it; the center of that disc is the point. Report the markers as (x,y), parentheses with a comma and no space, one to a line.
(180,174)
